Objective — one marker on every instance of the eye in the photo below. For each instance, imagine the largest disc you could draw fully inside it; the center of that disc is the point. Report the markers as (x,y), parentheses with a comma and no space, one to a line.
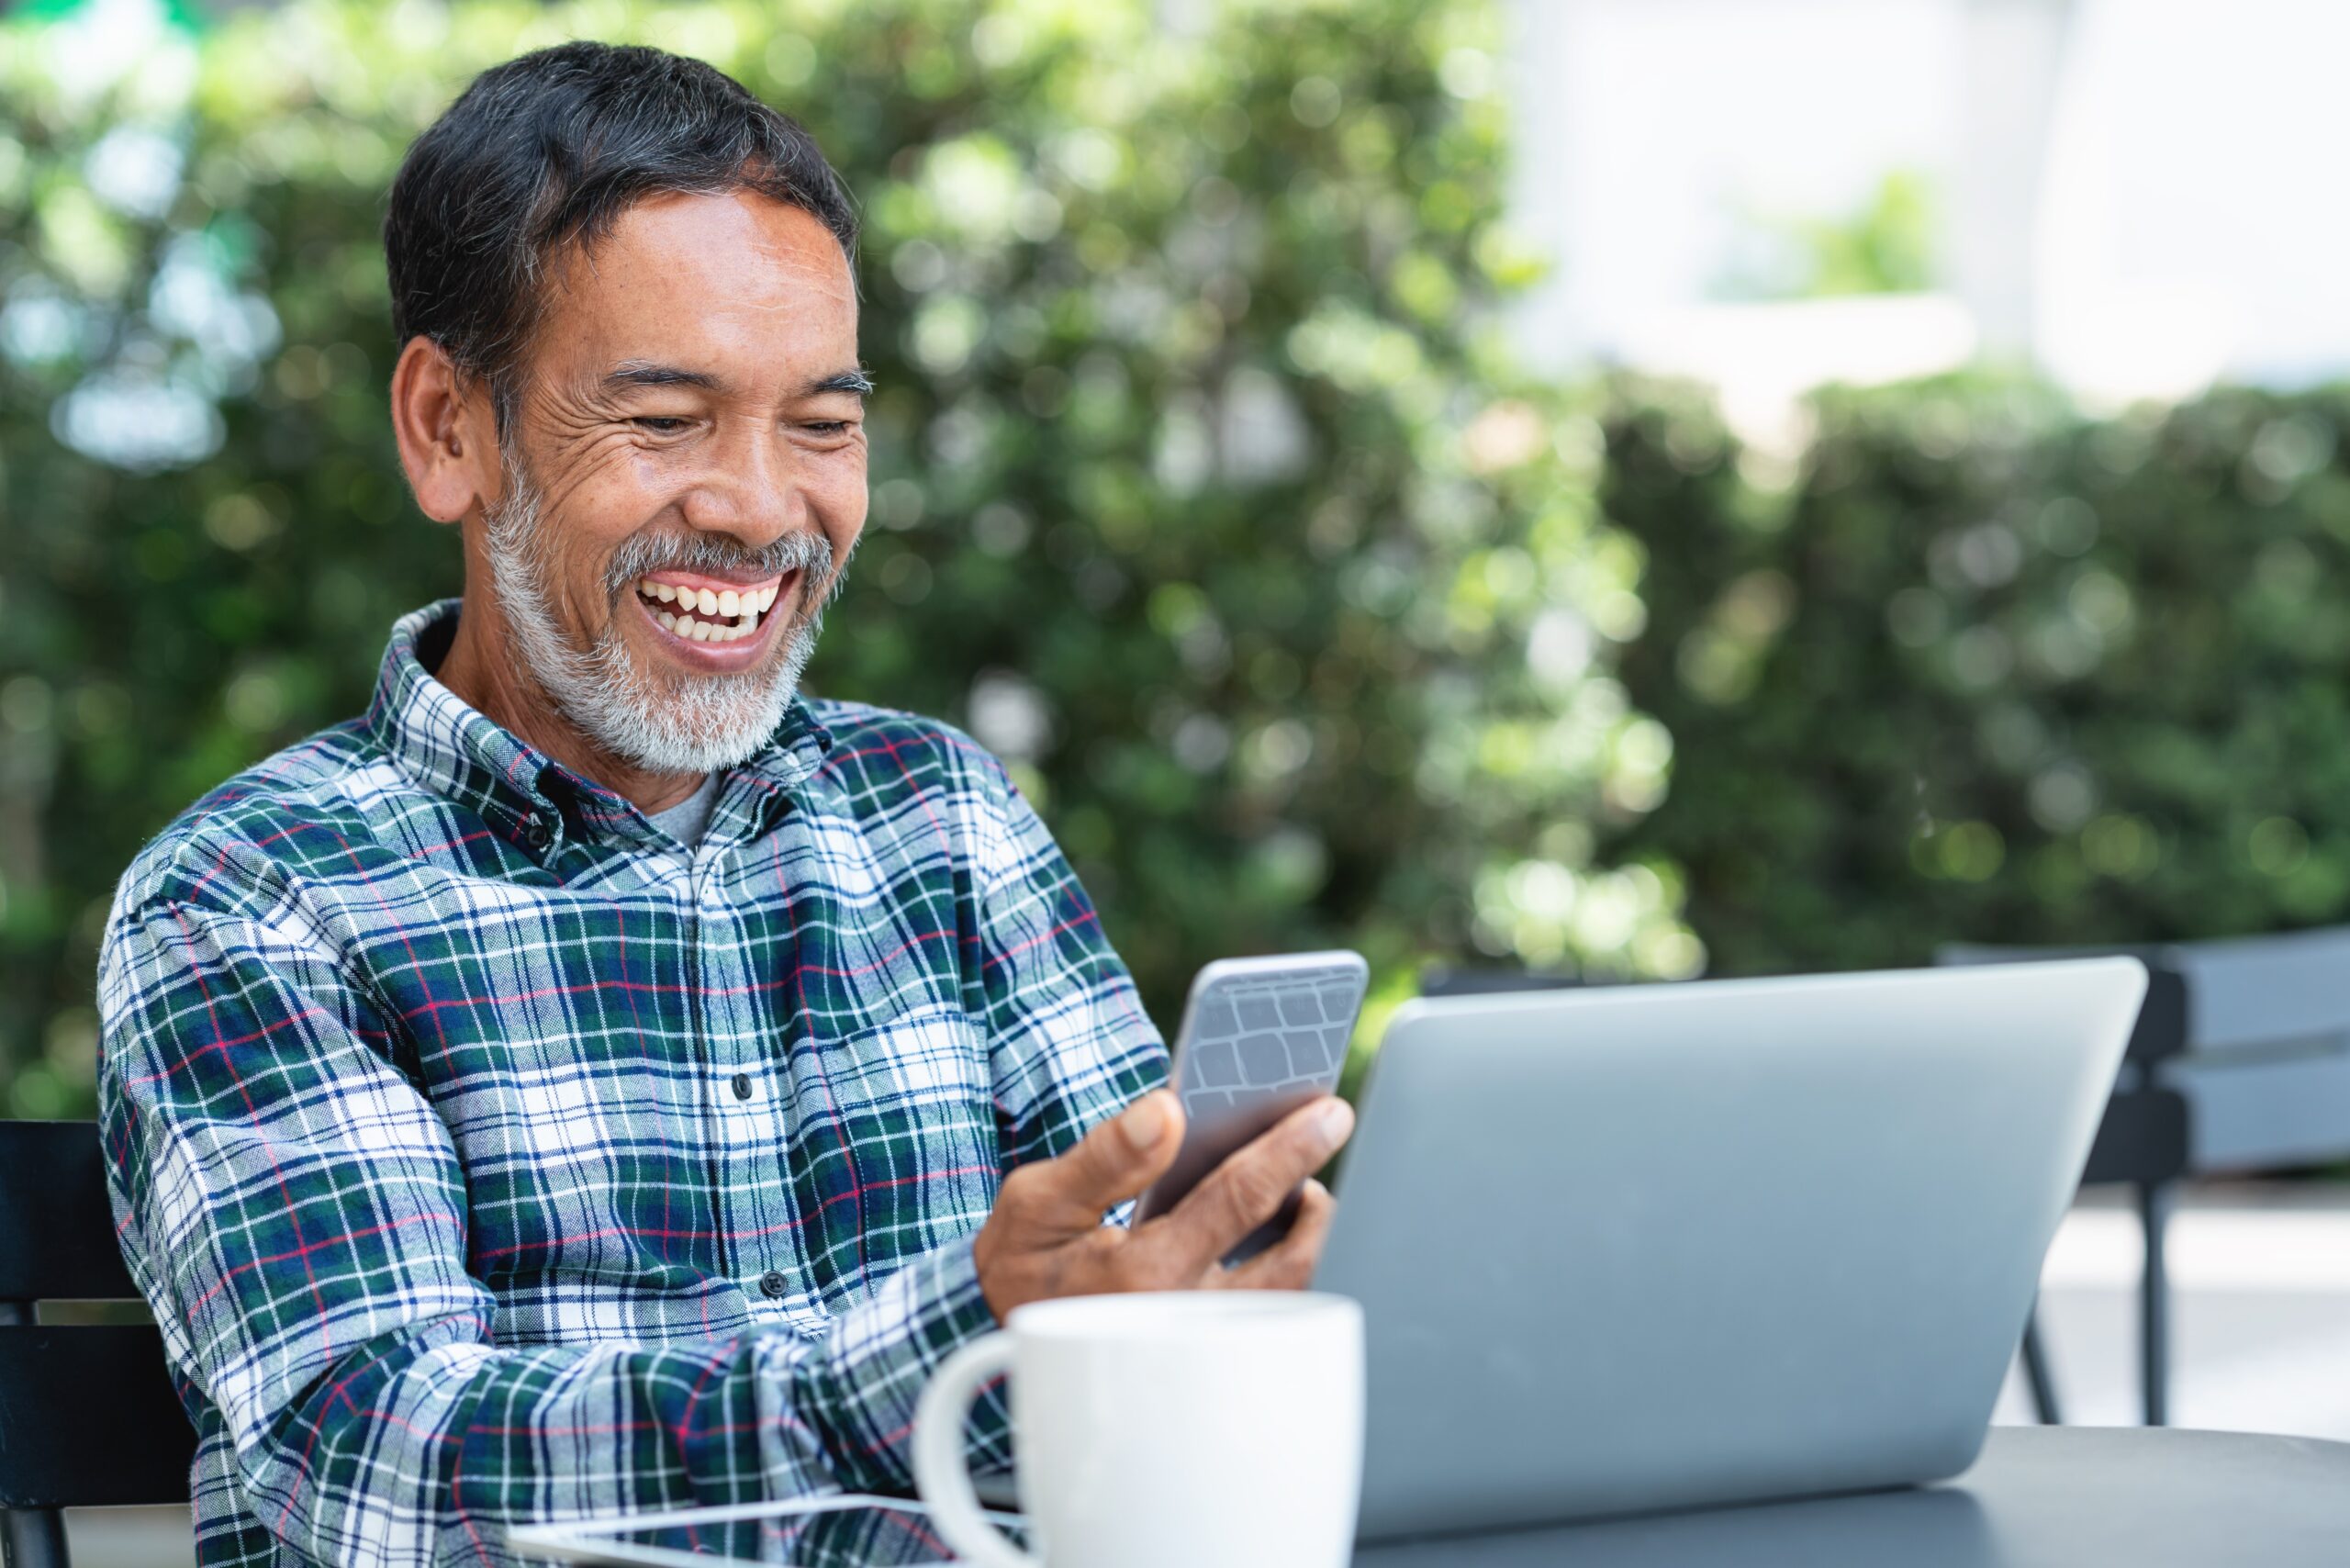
(660,424)
(828,426)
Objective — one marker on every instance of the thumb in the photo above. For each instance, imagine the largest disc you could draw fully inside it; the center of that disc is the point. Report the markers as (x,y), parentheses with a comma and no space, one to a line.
(1120,1157)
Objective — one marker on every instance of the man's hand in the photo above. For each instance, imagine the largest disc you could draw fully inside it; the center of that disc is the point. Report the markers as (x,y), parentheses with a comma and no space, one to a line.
(1046,1237)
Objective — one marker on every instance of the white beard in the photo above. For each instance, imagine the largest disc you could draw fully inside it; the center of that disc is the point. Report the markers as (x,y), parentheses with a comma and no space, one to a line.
(698,724)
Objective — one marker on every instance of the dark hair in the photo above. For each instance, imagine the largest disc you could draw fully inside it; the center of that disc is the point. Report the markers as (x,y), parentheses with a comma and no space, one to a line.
(549,150)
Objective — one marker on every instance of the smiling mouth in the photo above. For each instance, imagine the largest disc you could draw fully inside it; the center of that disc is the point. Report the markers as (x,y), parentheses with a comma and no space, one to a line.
(706,615)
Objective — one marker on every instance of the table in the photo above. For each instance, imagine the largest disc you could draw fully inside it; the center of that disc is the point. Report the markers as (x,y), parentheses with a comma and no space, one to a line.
(2039,1496)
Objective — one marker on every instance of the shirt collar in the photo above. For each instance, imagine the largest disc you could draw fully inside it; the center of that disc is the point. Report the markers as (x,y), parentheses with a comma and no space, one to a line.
(448,747)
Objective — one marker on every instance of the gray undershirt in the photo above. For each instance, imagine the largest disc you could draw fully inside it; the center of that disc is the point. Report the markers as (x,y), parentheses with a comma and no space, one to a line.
(685,821)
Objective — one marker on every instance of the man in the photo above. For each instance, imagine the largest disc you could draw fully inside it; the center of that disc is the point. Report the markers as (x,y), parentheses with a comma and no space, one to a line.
(579,1082)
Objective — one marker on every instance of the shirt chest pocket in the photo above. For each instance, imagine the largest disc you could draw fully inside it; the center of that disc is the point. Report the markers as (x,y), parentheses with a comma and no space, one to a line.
(895,1133)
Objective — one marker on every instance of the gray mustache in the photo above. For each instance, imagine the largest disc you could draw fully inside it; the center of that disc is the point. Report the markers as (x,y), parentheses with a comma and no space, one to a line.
(716,553)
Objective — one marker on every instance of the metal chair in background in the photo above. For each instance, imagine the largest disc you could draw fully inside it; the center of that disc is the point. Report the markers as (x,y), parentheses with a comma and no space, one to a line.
(88,1418)
(2240,1062)
(2143,1142)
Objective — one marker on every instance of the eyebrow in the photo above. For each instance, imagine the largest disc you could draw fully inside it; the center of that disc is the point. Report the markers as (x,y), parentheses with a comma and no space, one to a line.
(643,372)
(852,379)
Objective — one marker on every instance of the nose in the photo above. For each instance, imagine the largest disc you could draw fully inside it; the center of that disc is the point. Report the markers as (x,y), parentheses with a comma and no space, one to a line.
(750,489)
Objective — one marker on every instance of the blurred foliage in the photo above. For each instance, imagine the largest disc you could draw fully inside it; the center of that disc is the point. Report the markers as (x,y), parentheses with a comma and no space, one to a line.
(1886,245)
(1204,489)
(1978,669)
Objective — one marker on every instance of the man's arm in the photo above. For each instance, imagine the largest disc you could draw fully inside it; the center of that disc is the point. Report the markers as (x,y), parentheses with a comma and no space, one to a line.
(1067,1035)
(296,1213)
(1071,1045)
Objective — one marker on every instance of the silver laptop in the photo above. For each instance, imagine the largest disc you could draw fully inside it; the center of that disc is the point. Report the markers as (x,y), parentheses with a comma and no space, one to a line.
(1662,1246)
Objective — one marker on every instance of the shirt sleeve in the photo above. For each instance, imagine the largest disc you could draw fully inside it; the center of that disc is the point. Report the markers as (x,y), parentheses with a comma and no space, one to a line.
(295,1211)
(1069,1042)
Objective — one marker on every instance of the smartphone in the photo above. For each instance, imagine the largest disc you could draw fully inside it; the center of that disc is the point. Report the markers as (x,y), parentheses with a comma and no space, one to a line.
(1260,1038)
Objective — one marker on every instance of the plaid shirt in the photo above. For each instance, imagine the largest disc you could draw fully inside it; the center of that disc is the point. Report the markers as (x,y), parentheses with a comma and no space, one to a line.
(486,1155)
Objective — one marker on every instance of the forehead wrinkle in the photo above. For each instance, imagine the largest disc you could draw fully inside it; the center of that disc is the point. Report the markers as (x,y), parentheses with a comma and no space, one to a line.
(790,269)
(646,270)
(739,314)
(768,297)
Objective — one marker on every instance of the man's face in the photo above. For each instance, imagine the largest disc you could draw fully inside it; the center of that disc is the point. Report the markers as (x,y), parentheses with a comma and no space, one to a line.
(685,476)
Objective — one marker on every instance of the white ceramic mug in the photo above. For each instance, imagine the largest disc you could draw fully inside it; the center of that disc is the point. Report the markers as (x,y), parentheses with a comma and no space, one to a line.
(1169,1430)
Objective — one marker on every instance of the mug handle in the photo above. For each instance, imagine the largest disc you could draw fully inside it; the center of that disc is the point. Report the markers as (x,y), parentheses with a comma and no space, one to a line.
(939,1475)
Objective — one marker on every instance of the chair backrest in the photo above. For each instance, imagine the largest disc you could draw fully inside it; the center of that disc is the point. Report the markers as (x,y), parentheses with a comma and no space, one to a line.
(2145,1137)
(88,1418)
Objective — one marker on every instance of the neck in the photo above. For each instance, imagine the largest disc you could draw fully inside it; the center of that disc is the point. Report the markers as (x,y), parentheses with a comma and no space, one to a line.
(483,668)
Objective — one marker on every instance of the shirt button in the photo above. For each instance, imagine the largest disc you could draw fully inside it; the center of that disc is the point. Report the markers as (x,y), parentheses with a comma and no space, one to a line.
(741,1086)
(771,1284)
(536,834)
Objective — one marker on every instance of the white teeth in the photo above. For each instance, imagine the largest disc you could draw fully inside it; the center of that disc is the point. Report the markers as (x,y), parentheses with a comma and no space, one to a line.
(731,614)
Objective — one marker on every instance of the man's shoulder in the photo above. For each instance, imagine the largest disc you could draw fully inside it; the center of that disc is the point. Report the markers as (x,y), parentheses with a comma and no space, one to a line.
(891,750)
(305,801)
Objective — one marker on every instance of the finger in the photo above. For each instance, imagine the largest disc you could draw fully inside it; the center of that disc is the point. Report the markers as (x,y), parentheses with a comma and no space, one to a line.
(1115,1160)
(1288,1264)
(1250,1186)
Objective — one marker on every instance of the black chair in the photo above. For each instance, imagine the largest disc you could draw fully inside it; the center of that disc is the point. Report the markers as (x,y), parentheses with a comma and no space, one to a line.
(87,1414)
(2145,1142)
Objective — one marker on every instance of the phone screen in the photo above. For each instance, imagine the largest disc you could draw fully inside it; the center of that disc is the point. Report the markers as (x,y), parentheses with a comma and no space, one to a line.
(1260,1038)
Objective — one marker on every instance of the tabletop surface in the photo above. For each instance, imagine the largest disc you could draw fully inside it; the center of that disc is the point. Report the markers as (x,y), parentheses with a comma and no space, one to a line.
(2038,1496)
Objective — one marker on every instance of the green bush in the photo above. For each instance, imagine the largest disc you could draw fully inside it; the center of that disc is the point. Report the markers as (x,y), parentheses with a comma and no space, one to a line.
(1203,488)
(1983,669)
(1204,491)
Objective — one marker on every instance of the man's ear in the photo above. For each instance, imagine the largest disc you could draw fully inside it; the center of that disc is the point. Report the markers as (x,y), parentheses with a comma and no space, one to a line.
(446,431)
